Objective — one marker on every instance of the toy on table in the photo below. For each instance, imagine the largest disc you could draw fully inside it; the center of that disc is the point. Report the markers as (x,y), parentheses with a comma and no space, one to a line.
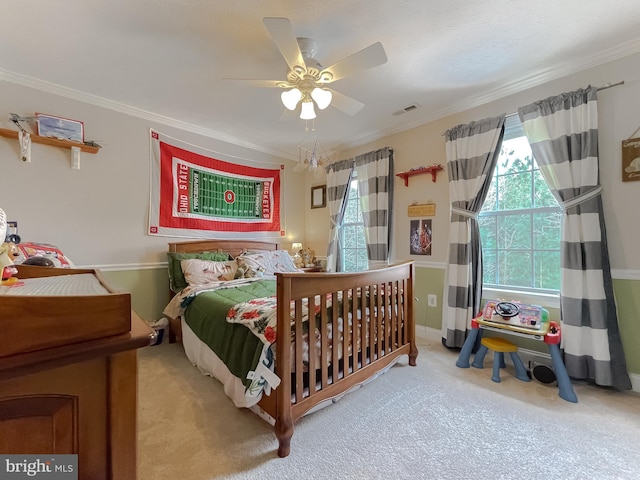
(530,317)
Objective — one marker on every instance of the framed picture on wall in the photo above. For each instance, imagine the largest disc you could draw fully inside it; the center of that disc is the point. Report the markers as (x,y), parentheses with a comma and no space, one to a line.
(631,160)
(60,128)
(319,196)
(420,235)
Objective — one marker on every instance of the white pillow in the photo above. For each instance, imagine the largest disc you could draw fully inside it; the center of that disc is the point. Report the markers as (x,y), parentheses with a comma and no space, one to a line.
(269,262)
(203,272)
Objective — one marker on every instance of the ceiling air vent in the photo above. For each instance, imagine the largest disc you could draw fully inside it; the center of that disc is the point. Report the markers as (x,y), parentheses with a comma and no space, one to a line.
(408,108)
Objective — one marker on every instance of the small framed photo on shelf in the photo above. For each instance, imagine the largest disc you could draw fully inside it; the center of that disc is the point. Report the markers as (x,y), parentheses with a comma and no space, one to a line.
(319,196)
(60,128)
(631,160)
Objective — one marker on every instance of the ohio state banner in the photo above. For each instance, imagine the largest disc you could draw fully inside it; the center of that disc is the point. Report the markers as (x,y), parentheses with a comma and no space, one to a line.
(193,195)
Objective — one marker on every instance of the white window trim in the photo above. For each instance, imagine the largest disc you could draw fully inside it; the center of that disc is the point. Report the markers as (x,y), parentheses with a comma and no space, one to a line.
(513,128)
(350,224)
(531,298)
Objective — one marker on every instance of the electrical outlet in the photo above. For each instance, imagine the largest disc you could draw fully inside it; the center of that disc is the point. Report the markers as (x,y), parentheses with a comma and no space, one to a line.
(432,300)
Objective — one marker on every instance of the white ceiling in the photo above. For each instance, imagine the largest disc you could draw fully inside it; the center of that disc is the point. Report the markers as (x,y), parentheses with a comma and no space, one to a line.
(166,59)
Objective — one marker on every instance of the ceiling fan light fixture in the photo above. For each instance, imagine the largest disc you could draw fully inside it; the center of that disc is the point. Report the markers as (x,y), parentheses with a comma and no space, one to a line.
(307,111)
(322,97)
(291,98)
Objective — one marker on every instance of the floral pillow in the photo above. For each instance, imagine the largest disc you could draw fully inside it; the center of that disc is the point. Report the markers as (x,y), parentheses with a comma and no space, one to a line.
(203,272)
(268,262)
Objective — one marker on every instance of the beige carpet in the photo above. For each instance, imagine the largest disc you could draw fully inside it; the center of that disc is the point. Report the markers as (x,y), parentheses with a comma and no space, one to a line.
(434,421)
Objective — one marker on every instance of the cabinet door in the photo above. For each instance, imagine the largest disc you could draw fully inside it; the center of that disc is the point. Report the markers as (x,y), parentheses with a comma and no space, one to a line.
(60,410)
(40,423)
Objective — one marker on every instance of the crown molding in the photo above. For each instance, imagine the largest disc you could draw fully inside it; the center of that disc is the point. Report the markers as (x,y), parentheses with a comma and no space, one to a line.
(53,88)
(503,90)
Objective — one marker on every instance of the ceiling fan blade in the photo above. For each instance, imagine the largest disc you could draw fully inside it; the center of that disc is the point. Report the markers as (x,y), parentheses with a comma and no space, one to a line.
(348,105)
(368,57)
(259,83)
(282,33)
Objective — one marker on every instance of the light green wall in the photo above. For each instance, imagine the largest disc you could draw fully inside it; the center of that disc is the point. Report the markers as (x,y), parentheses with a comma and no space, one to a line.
(627,293)
(428,281)
(149,289)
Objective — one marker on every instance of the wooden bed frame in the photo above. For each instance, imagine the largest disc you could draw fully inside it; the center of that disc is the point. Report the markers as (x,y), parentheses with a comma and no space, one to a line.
(388,333)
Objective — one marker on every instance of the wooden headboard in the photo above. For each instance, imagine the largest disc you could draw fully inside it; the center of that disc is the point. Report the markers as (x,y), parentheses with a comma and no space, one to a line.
(234,247)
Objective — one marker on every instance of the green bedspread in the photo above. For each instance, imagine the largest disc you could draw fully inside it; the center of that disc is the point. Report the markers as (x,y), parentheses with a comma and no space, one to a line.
(233,343)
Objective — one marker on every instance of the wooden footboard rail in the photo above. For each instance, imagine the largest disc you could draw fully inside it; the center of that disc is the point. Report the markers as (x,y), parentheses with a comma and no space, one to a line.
(379,327)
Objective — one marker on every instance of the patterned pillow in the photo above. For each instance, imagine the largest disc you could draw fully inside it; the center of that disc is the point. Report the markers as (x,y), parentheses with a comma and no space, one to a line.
(176,277)
(203,272)
(268,262)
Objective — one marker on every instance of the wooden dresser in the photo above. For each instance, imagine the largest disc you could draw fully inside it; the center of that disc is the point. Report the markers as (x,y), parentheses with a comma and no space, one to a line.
(68,376)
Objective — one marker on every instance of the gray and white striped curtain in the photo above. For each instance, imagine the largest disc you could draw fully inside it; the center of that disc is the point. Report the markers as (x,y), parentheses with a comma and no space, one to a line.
(374,171)
(472,153)
(338,180)
(563,133)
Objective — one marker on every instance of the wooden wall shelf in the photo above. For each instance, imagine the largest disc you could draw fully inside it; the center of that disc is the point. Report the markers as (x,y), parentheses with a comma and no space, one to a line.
(5,132)
(433,170)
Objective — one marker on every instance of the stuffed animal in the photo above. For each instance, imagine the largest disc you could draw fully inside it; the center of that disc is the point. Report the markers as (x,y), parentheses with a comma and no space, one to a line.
(308,257)
(297,260)
(8,253)
(11,250)
(245,271)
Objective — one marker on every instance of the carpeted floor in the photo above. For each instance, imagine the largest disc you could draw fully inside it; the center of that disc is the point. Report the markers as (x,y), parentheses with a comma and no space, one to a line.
(434,421)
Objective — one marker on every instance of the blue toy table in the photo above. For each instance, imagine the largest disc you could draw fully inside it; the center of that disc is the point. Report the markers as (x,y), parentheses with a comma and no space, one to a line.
(550,335)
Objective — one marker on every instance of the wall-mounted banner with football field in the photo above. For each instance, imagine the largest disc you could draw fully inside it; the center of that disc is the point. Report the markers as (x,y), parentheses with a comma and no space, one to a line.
(195,195)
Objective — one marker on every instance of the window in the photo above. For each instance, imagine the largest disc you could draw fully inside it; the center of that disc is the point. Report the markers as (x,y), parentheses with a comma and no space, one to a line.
(353,246)
(520,222)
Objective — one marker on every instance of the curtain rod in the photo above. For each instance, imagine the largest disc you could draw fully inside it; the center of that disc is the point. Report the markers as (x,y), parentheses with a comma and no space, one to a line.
(604,87)
(609,85)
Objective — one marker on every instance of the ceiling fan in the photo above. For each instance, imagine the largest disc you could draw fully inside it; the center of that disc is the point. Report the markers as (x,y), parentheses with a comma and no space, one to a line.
(306,79)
